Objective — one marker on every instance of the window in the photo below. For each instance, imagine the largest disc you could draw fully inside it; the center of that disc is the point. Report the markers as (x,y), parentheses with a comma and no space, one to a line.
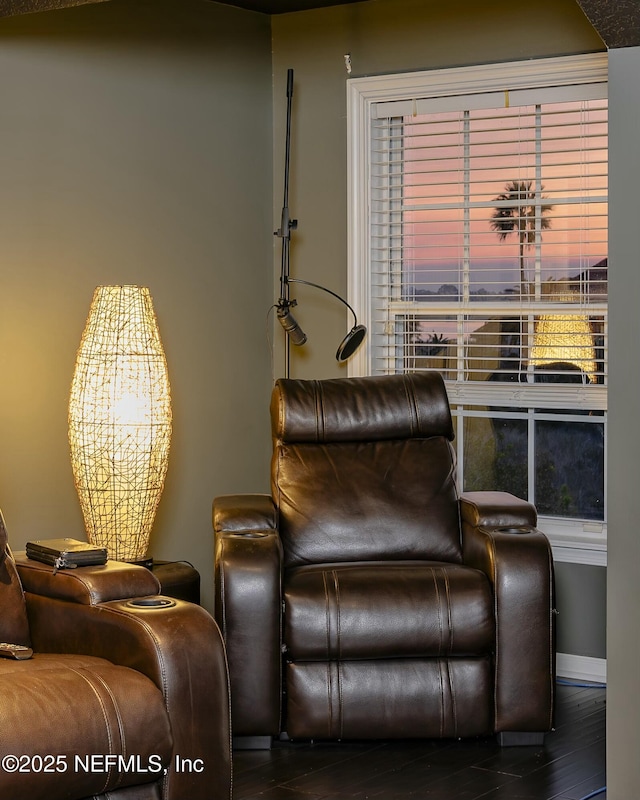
(479,249)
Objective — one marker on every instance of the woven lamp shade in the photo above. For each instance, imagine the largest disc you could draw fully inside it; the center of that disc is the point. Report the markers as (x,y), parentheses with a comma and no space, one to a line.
(120,421)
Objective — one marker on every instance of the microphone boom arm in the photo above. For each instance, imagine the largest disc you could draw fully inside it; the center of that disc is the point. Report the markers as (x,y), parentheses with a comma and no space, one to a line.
(348,345)
(328,291)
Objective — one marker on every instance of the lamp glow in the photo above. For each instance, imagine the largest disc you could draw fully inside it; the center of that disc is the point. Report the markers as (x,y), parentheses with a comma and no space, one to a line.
(567,339)
(120,421)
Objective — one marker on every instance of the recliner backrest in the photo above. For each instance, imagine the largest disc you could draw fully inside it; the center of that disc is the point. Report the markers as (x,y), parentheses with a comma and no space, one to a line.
(14,625)
(363,469)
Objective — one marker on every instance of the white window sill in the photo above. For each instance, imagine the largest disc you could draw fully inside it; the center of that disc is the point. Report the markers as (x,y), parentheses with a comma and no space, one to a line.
(576,542)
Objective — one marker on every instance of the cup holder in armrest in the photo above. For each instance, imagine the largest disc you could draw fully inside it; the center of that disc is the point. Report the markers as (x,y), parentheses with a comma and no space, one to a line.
(514,529)
(151,602)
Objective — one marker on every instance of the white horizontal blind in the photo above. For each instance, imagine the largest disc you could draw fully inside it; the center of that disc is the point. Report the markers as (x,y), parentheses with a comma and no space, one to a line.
(488,241)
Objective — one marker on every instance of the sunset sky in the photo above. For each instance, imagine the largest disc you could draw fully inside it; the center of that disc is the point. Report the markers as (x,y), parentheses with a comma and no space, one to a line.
(442,161)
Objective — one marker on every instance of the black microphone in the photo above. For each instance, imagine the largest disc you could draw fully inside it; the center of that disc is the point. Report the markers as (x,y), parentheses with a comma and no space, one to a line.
(291,327)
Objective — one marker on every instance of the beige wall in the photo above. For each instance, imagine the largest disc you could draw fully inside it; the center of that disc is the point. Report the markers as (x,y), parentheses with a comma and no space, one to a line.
(136,148)
(382,36)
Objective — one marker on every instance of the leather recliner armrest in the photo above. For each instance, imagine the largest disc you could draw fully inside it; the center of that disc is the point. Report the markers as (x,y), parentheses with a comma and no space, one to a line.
(179,647)
(248,608)
(500,538)
(497,510)
(115,580)
(244,512)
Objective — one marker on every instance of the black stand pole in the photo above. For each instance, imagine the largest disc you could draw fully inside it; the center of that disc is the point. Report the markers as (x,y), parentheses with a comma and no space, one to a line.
(284,232)
(293,332)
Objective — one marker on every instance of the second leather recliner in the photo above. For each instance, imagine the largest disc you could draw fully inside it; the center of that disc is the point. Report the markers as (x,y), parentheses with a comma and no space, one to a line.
(365,598)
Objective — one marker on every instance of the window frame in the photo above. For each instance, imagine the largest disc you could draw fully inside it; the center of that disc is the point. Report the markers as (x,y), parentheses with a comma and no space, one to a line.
(573,541)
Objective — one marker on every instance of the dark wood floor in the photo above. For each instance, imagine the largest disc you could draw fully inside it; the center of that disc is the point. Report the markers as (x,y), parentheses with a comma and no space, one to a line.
(570,766)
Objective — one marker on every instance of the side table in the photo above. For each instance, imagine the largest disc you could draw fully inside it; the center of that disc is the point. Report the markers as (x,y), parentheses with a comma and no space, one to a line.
(178,579)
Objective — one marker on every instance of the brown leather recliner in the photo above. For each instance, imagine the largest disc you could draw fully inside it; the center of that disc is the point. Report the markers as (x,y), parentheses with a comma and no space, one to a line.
(394,606)
(121,699)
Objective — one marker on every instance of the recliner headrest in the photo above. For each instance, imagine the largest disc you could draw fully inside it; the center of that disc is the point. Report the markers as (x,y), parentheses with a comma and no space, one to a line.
(361,409)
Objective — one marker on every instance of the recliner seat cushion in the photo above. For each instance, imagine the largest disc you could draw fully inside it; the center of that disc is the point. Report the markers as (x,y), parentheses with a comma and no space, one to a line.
(73,705)
(387,610)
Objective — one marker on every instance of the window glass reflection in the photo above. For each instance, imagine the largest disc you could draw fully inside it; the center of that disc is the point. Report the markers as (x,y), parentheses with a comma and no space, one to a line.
(569,477)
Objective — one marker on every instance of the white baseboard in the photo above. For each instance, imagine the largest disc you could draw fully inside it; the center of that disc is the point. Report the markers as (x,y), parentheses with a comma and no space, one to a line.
(581,668)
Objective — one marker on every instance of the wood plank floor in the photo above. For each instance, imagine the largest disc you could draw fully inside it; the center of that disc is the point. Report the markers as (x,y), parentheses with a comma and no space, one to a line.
(570,766)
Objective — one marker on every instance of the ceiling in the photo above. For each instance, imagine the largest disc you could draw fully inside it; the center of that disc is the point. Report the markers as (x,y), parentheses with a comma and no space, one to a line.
(617,21)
